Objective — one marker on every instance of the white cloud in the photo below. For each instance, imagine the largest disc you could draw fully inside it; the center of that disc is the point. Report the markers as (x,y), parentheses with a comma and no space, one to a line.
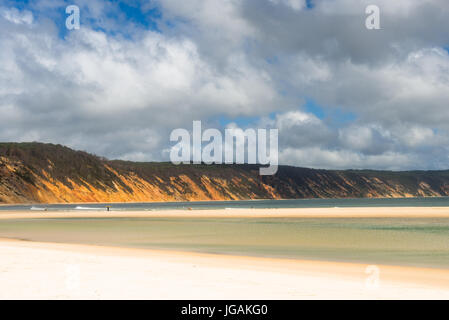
(119,95)
(293,4)
(316,157)
(15,16)
(79,90)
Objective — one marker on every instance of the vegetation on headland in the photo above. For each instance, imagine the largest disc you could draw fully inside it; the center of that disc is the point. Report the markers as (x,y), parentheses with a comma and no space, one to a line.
(48,173)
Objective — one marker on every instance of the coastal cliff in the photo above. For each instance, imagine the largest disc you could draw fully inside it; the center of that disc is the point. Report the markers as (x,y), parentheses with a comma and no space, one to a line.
(47,173)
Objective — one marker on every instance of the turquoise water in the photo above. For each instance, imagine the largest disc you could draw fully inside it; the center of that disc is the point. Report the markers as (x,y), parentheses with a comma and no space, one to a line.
(420,242)
(401,241)
(296,203)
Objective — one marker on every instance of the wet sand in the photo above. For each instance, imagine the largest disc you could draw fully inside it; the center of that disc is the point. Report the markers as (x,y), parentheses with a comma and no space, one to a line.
(371,212)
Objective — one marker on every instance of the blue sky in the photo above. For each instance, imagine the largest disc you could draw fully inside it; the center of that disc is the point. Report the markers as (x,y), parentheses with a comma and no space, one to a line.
(336,115)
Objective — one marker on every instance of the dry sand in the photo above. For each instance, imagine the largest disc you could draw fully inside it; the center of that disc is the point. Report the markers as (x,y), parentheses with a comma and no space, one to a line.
(33,270)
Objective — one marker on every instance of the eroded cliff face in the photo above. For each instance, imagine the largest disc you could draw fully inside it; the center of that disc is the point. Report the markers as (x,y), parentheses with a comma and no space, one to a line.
(41,173)
(46,173)
(19,184)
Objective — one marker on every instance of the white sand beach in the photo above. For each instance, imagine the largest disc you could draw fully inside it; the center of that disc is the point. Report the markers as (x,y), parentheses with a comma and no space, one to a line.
(356,212)
(37,270)
(63,271)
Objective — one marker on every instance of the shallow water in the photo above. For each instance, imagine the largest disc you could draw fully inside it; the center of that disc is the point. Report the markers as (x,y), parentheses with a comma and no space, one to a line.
(401,241)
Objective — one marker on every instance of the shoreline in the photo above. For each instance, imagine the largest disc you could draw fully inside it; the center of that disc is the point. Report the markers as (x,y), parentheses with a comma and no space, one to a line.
(126,273)
(50,270)
(351,212)
(209,200)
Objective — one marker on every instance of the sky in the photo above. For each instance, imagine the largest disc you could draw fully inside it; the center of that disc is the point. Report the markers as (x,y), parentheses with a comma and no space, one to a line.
(341,96)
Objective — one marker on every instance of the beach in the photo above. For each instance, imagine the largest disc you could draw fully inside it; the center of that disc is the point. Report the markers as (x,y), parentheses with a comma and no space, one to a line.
(61,271)
(50,270)
(358,212)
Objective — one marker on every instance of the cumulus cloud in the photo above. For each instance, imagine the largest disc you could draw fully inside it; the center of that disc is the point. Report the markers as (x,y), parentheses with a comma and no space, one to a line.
(93,87)
(117,88)
(15,16)
(342,159)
